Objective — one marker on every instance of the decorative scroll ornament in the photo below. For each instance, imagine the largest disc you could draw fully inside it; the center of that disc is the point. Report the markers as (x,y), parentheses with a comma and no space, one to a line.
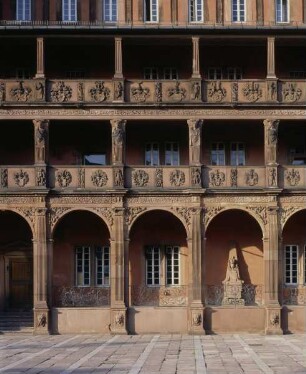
(99,93)
(196,178)
(29,214)
(41,178)
(261,212)
(216,178)
(159,177)
(234,92)
(81,91)
(106,213)
(286,213)
(216,91)
(159,296)
(210,213)
(177,178)
(2,92)
(140,93)
(21,93)
(158,92)
(132,213)
(196,91)
(177,93)
(291,93)
(118,92)
(56,213)
(64,178)
(21,178)
(234,177)
(141,178)
(118,178)
(252,91)
(185,213)
(4,178)
(61,93)
(251,178)
(293,177)
(99,178)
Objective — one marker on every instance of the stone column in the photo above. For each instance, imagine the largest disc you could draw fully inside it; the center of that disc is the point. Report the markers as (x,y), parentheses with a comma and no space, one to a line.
(196,315)
(118,307)
(41,152)
(271,141)
(118,80)
(195,58)
(40,66)
(273,309)
(271,58)
(195,140)
(40,270)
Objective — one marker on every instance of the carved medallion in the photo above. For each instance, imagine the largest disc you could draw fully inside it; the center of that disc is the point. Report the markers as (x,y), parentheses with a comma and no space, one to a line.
(159,177)
(61,92)
(234,177)
(177,93)
(158,92)
(251,177)
(177,178)
(4,178)
(293,177)
(21,178)
(64,178)
(252,91)
(99,93)
(216,92)
(216,178)
(21,93)
(140,93)
(291,92)
(141,178)
(99,178)
(41,177)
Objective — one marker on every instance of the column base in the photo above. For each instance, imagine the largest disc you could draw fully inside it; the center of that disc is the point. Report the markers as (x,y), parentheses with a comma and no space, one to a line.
(118,324)
(41,320)
(273,320)
(196,319)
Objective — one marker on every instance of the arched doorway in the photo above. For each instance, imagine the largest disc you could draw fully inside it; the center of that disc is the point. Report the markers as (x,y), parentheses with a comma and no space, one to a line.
(16,263)
(159,263)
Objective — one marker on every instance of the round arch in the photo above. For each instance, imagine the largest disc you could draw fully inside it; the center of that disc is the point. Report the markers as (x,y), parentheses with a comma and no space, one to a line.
(291,214)
(22,215)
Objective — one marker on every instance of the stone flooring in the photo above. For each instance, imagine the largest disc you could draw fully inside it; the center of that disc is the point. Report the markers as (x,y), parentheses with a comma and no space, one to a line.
(152,354)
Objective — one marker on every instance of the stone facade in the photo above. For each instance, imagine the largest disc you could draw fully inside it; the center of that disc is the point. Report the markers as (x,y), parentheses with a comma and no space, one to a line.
(125,183)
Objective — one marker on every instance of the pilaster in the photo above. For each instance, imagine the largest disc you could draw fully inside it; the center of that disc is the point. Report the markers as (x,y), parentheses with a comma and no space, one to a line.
(118,141)
(195,140)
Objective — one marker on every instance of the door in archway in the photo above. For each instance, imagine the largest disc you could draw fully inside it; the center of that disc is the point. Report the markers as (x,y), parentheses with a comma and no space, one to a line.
(21,283)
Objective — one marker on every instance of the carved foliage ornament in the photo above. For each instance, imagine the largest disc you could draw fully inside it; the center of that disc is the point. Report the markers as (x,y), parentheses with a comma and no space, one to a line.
(64,178)
(261,212)
(293,177)
(21,178)
(56,213)
(177,178)
(216,91)
(216,178)
(210,213)
(177,93)
(99,93)
(106,213)
(99,178)
(185,213)
(251,177)
(140,93)
(286,213)
(132,213)
(141,178)
(61,92)
(252,91)
(159,177)
(21,93)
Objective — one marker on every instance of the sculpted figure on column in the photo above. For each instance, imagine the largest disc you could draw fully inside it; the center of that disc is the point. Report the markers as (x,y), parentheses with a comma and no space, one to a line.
(41,140)
(271,139)
(195,130)
(118,139)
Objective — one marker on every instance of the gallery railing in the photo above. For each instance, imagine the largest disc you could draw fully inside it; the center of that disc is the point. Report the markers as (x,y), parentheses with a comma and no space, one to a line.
(81,296)
(251,294)
(158,295)
(294,295)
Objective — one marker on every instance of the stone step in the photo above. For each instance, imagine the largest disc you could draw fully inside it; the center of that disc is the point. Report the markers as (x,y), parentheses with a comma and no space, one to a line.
(15,322)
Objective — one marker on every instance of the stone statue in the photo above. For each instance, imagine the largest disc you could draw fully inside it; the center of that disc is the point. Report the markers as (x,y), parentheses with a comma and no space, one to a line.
(195,126)
(118,131)
(41,140)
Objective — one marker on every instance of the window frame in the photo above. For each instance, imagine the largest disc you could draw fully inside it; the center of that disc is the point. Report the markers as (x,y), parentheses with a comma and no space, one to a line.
(171,153)
(103,265)
(217,150)
(152,154)
(291,276)
(82,248)
(239,11)
(23,5)
(194,6)
(70,15)
(279,11)
(172,248)
(147,254)
(149,73)
(113,18)
(173,74)
(237,153)
(148,17)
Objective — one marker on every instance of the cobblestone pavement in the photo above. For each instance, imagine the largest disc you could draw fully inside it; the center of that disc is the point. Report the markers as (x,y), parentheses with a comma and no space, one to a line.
(152,354)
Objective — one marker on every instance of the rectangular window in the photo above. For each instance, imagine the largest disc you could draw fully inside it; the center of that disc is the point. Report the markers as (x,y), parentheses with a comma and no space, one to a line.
(69,10)
(233,73)
(195,10)
(75,74)
(22,73)
(102,266)
(291,264)
(237,154)
(82,260)
(150,73)
(217,73)
(172,156)
(151,10)
(218,154)
(172,266)
(170,73)
(282,11)
(94,159)
(152,154)
(23,10)
(153,266)
(110,10)
(297,74)
(238,11)
(214,73)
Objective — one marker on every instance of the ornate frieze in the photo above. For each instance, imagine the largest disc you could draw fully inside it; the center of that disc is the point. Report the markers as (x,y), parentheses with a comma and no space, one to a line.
(251,178)
(216,91)
(162,201)
(141,178)
(140,93)
(21,92)
(216,178)
(252,91)
(177,93)
(177,178)
(21,178)
(99,178)
(85,200)
(293,177)
(99,92)
(61,92)
(64,178)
